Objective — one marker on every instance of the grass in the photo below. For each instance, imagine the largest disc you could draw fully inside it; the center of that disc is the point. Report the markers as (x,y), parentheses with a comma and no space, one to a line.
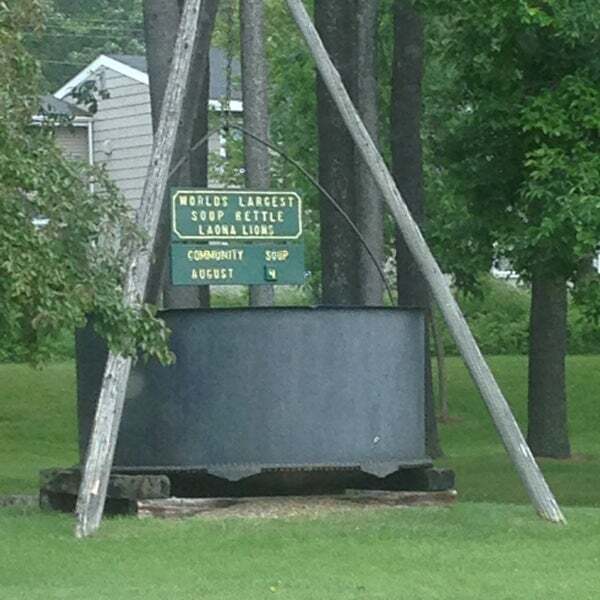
(469,551)
(37,423)
(485,546)
(483,470)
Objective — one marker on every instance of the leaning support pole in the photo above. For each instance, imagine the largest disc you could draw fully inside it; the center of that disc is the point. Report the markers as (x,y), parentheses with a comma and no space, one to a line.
(508,429)
(92,492)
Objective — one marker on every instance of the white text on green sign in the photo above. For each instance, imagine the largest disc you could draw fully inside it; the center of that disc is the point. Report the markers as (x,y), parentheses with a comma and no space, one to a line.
(235,215)
(237,264)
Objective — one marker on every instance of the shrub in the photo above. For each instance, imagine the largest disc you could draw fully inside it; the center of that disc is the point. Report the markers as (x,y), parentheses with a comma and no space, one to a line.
(499,319)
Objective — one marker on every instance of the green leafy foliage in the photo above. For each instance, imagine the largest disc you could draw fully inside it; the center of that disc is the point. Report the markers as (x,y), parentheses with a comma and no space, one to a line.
(513,140)
(65,231)
(498,315)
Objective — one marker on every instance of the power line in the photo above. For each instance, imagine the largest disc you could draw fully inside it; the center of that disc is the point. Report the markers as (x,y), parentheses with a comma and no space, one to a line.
(90,26)
(63,62)
(106,36)
(109,27)
(86,20)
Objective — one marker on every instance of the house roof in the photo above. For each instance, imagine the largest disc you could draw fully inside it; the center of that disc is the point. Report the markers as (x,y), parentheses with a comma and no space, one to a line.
(218,71)
(135,67)
(133,60)
(49,105)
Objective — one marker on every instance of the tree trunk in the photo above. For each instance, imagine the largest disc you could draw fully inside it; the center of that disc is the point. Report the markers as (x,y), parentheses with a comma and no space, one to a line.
(193,173)
(407,153)
(160,31)
(161,20)
(349,277)
(336,23)
(368,202)
(198,163)
(407,158)
(256,112)
(547,432)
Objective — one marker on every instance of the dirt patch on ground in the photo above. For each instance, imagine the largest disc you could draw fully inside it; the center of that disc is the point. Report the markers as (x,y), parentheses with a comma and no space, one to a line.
(289,506)
(284,508)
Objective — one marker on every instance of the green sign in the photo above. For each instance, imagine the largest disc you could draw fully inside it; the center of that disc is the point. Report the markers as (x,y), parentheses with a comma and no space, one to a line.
(237,264)
(235,215)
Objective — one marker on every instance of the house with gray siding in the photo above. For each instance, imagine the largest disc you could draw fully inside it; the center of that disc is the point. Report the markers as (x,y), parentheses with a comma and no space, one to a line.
(119,134)
(75,139)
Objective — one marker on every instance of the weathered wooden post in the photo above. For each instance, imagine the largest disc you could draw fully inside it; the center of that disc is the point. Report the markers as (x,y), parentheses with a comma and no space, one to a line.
(504,421)
(92,492)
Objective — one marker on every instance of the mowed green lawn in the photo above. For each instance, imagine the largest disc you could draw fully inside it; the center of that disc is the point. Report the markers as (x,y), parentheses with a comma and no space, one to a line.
(486,545)
(471,551)
(484,472)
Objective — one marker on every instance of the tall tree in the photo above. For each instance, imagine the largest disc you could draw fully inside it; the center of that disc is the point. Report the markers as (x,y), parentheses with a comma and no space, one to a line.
(336,23)
(369,210)
(407,158)
(256,112)
(518,141)
(161,21)
(347,30)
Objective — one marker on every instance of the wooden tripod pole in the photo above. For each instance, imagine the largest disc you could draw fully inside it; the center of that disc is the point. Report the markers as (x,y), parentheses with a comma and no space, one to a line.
(101,448)
(504,421)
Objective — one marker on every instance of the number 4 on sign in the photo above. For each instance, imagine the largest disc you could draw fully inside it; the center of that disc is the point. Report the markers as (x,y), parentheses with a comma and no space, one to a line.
(270,274)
